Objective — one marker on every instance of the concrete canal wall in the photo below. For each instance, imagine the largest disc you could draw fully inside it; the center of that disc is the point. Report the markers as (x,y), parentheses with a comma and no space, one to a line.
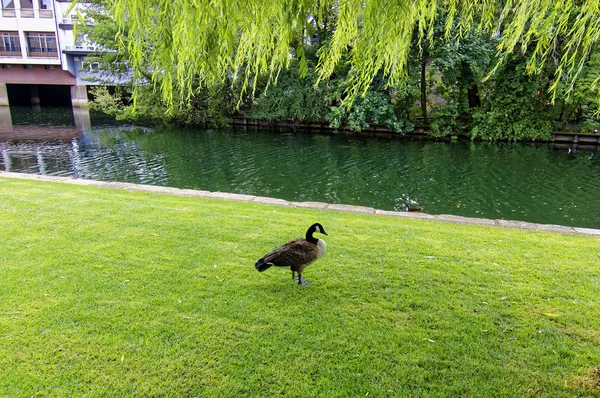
(310,205)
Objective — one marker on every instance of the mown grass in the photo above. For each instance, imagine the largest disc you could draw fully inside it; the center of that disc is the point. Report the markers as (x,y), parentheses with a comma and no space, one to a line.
(118,293)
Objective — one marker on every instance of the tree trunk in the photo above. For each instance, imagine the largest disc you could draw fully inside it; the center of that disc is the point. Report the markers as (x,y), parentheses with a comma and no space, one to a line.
(473,91)
(474,100)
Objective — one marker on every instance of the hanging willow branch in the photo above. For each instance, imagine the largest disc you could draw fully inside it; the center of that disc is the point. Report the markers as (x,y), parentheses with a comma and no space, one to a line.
(186,42)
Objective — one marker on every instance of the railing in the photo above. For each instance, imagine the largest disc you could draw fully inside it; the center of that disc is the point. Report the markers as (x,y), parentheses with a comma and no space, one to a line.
(27,13)
(46,14)
(71,20)
(80,47)
(47,54)
(9,13)
(10,53)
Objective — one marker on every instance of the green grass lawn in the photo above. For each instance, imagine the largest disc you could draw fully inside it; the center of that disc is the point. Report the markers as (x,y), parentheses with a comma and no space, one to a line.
(116,293)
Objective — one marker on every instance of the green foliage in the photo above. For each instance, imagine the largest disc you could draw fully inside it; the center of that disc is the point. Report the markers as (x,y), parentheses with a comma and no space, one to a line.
(461,66)
(356,63)
(248,39)
(403,97)
(298,97)
(103,30)
(447,122)
(516,107)
(210,106)
(581,107)
(501,124)
(293,97)
(375,107)
(198,106)
(110,103)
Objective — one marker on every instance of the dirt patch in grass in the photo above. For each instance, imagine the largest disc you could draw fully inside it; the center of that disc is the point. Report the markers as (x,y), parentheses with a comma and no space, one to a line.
(591,381)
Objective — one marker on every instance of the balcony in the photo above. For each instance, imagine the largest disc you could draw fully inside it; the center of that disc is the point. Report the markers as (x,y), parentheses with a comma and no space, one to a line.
(69,20)
(46,14)
(10,53)
(66,23)
(80,49)
(9,13)
(45,54)
(27,13)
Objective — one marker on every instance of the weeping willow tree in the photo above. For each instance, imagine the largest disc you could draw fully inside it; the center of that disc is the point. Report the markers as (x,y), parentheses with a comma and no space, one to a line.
(178,42)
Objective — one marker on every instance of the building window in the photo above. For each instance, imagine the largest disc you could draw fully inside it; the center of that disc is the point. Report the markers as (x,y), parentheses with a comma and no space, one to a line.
(45,8)
(41,45)
(8,8)
(10,45)
(27,9)
(90,66)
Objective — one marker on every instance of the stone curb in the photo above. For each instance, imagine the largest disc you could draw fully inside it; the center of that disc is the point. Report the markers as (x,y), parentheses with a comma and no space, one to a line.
(309,205)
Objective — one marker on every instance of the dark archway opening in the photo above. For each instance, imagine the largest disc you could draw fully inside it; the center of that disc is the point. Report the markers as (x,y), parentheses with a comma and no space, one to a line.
(40,104)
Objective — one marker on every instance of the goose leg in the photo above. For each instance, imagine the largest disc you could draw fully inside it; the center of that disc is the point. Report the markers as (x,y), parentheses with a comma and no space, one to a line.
(301,282)
(294,275)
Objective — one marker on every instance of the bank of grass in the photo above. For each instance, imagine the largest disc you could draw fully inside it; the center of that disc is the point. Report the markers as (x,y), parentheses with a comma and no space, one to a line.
(117,293)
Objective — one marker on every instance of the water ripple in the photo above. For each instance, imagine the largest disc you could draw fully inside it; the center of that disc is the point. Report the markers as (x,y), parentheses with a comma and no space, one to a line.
(508,181)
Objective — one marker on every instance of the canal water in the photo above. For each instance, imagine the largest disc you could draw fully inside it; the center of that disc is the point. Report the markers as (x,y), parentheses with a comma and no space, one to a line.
(499,181)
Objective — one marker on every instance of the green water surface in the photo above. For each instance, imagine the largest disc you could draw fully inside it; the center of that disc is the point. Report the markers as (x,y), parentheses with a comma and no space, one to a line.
(498,181)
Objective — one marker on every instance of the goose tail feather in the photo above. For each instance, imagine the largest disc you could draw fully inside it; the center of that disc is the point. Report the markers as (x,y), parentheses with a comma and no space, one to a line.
(261,265)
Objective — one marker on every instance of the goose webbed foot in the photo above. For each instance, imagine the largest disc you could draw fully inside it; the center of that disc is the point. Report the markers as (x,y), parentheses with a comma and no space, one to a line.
(299,279)
(302,281)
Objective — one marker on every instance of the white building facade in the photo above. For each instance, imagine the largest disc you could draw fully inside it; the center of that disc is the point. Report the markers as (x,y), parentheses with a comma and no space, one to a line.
(38,47)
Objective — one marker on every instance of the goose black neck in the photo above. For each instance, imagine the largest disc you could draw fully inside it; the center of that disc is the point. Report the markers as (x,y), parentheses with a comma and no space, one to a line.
(310,237)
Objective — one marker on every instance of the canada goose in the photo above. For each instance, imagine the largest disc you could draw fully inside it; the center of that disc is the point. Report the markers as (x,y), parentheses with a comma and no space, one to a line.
(412,205)
(296,254)
(413,208)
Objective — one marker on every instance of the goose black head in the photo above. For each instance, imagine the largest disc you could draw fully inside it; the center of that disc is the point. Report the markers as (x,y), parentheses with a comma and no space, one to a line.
(316,227)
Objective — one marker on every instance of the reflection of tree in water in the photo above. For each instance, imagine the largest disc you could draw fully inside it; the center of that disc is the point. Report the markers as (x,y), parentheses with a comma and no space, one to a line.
(116,158)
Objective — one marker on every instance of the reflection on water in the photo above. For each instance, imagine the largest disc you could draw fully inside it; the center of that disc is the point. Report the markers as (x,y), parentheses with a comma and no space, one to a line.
(36,116)
(43,116)
(5,120)
(510,181)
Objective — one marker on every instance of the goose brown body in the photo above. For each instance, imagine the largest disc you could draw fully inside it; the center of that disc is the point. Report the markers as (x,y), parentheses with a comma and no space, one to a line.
(297,254)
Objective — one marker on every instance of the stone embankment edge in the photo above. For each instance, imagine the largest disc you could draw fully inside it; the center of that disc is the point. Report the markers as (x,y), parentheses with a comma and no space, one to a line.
(308,205)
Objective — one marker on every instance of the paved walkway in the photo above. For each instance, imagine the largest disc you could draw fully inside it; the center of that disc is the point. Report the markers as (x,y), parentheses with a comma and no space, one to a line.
(309,205)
